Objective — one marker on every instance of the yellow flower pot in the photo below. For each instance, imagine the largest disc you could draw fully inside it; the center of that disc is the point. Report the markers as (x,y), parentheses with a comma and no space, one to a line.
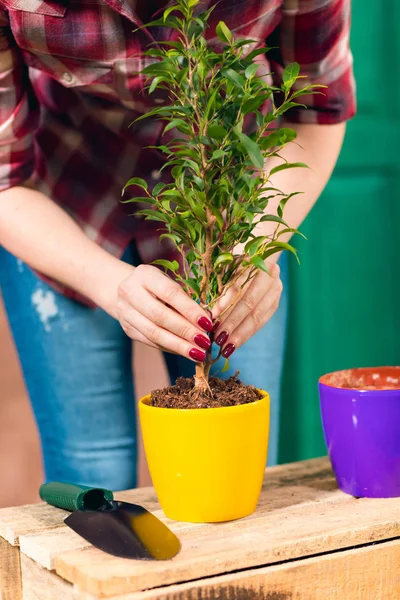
(207,465)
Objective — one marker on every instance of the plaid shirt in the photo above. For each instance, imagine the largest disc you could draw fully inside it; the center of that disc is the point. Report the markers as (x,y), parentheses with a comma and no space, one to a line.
(68,92)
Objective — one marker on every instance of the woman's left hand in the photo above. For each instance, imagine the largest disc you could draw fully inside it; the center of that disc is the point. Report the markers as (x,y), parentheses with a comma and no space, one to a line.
(257,302)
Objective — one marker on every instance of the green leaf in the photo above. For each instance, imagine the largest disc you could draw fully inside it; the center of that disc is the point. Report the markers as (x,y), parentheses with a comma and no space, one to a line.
(252,55)
(154,84)
(192,3)
(225,257)
(258,262)
(253,103)
(253,245)
(226,366)
(233,77)
(179,124)
(192,283)
(253,150)
(215,211)
(135,181)
(158,188)
(274,219)
(251,70)
(145,200)
(290,74)
(217,132)
(218,154)
(169,10)
(278,138)
(171,266)
(171,237)
(223,32)
(288,166)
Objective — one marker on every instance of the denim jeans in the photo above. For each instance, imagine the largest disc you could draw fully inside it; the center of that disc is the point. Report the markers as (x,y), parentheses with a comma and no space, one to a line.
(76,363)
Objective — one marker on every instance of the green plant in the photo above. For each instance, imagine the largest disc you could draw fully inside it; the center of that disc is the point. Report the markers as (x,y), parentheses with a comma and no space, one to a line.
(220,189)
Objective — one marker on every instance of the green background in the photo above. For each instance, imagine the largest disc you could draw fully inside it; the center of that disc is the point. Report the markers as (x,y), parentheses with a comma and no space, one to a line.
(345,296)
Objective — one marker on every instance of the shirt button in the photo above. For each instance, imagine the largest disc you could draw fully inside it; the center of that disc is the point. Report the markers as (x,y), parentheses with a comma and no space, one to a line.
(67,77)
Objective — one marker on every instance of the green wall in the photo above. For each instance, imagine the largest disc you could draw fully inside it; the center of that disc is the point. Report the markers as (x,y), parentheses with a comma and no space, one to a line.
(345,296)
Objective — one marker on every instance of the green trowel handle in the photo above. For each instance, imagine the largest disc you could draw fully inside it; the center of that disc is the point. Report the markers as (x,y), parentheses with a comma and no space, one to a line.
(74,497)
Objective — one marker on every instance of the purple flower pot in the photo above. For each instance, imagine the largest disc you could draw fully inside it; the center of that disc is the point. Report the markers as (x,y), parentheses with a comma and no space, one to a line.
(360,411)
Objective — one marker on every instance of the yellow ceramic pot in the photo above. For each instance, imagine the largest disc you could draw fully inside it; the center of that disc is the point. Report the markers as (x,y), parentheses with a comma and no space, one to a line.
(207,465)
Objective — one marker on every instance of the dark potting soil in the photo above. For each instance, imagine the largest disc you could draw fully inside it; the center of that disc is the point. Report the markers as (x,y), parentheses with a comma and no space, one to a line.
(228,392)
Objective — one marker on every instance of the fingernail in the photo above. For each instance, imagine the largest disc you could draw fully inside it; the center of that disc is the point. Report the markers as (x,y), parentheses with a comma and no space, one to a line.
(198,355)
(202,341)
(228,350)
(221,339)
(205,324)
(216,325)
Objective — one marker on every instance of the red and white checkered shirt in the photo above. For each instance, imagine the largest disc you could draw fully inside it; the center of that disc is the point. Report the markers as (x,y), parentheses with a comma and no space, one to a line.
(68,92)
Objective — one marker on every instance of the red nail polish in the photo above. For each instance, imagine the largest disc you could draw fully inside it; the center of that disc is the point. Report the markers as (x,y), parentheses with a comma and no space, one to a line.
(198,355)
(202,341)
(221,339)
(216,325)
(205,324)
(228,350)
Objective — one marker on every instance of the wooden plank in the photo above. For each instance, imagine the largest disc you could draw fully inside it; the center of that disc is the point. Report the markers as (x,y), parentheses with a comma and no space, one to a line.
(304,530)
(40,584)
(367,573)
(315,476)
(10,573)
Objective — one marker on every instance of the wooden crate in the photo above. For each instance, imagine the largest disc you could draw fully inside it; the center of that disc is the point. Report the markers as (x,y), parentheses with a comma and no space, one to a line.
(306,541)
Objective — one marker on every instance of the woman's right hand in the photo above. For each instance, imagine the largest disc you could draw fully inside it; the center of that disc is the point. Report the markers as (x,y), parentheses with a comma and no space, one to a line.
(154,309)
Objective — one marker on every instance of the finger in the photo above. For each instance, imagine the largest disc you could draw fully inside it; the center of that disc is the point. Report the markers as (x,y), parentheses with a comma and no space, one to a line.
(262,286)
(171,293)
(161,338)
(167,318)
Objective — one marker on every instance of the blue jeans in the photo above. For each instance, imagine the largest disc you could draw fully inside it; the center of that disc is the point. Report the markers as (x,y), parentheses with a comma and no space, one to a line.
(76,363)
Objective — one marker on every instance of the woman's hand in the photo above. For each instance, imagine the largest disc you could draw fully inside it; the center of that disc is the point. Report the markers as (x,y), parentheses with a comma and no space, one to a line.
(154,309)
(257,302)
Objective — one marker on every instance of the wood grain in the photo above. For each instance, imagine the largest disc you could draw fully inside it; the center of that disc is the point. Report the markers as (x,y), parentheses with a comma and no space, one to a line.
(343,575)
(40,584)
(10,573)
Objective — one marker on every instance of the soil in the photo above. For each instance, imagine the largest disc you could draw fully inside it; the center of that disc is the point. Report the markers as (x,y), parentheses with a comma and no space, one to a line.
(378,378)
(229,392)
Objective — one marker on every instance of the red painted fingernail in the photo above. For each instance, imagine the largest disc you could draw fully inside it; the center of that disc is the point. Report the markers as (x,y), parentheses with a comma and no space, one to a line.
(205,324)
(202,341)
(216,325)
(221,339)
(198,355)
(228,350)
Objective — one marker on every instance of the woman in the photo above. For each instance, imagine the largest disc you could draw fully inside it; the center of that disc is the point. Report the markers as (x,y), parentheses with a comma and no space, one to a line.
(74,269)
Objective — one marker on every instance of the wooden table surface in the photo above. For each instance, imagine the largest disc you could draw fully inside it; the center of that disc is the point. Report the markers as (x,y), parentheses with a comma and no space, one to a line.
(306,541)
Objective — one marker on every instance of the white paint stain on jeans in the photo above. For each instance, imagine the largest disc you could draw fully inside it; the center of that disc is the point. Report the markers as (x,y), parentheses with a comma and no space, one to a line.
(45,304)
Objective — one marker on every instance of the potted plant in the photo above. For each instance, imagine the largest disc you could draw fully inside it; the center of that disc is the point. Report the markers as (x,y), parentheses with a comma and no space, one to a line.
(206,440)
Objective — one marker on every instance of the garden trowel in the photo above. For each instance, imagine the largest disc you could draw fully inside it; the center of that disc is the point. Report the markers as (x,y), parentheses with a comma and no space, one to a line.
(119,528)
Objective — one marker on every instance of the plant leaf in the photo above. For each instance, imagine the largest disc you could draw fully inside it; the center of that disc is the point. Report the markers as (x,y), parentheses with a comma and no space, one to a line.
(226,366)
(170,265)
(253,150)
(290,74)
(258,262)
(223,32)
(225,257)
(217,132)
(251,70)
(217,154)
(234,77)
(288,166)
(135,181)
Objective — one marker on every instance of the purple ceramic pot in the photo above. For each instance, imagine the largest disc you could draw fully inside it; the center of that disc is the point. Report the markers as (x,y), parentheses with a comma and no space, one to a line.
(360,411)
